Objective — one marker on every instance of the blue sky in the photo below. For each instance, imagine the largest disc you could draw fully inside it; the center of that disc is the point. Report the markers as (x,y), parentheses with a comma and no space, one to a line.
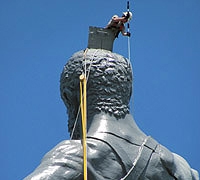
(36,39)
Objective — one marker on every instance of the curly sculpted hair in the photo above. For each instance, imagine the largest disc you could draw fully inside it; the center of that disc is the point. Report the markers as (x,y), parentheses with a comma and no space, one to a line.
(109,84)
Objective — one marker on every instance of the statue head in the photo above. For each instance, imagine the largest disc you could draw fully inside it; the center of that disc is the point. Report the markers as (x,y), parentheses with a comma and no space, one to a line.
(109,84)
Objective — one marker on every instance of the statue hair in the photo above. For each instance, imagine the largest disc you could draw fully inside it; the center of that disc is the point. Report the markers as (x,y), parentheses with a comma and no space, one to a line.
(109,85)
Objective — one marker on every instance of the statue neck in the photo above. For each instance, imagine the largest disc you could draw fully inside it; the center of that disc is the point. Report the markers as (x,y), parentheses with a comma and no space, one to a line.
(124,127)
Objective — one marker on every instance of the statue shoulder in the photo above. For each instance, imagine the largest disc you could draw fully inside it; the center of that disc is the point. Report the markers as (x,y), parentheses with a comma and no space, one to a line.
(63,148)
(170,166)
(177,165)
(63,161)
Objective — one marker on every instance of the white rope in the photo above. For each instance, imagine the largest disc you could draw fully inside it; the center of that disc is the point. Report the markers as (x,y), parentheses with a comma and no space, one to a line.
(85,70)
(137,158)
(85,53)
(128,31)
(129,49)
(91,64)
(75,122)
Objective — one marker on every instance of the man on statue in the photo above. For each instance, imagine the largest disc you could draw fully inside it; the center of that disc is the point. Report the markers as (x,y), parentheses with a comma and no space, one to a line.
(118,23)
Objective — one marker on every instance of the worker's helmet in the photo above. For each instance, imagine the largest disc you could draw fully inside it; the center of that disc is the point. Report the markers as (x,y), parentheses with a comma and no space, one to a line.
(130,15)
(114,16)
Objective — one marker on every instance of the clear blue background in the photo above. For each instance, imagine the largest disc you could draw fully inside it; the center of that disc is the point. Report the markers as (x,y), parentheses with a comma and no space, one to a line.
(38,36)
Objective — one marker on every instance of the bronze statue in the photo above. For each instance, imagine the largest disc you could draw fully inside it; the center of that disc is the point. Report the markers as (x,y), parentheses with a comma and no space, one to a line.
(116,148)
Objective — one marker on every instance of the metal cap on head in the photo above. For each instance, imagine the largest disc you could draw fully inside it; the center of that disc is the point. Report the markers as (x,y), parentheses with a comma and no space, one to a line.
(101,38)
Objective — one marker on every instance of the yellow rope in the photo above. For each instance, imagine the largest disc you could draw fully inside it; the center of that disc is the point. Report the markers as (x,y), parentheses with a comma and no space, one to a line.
(87,76)
(84,121)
